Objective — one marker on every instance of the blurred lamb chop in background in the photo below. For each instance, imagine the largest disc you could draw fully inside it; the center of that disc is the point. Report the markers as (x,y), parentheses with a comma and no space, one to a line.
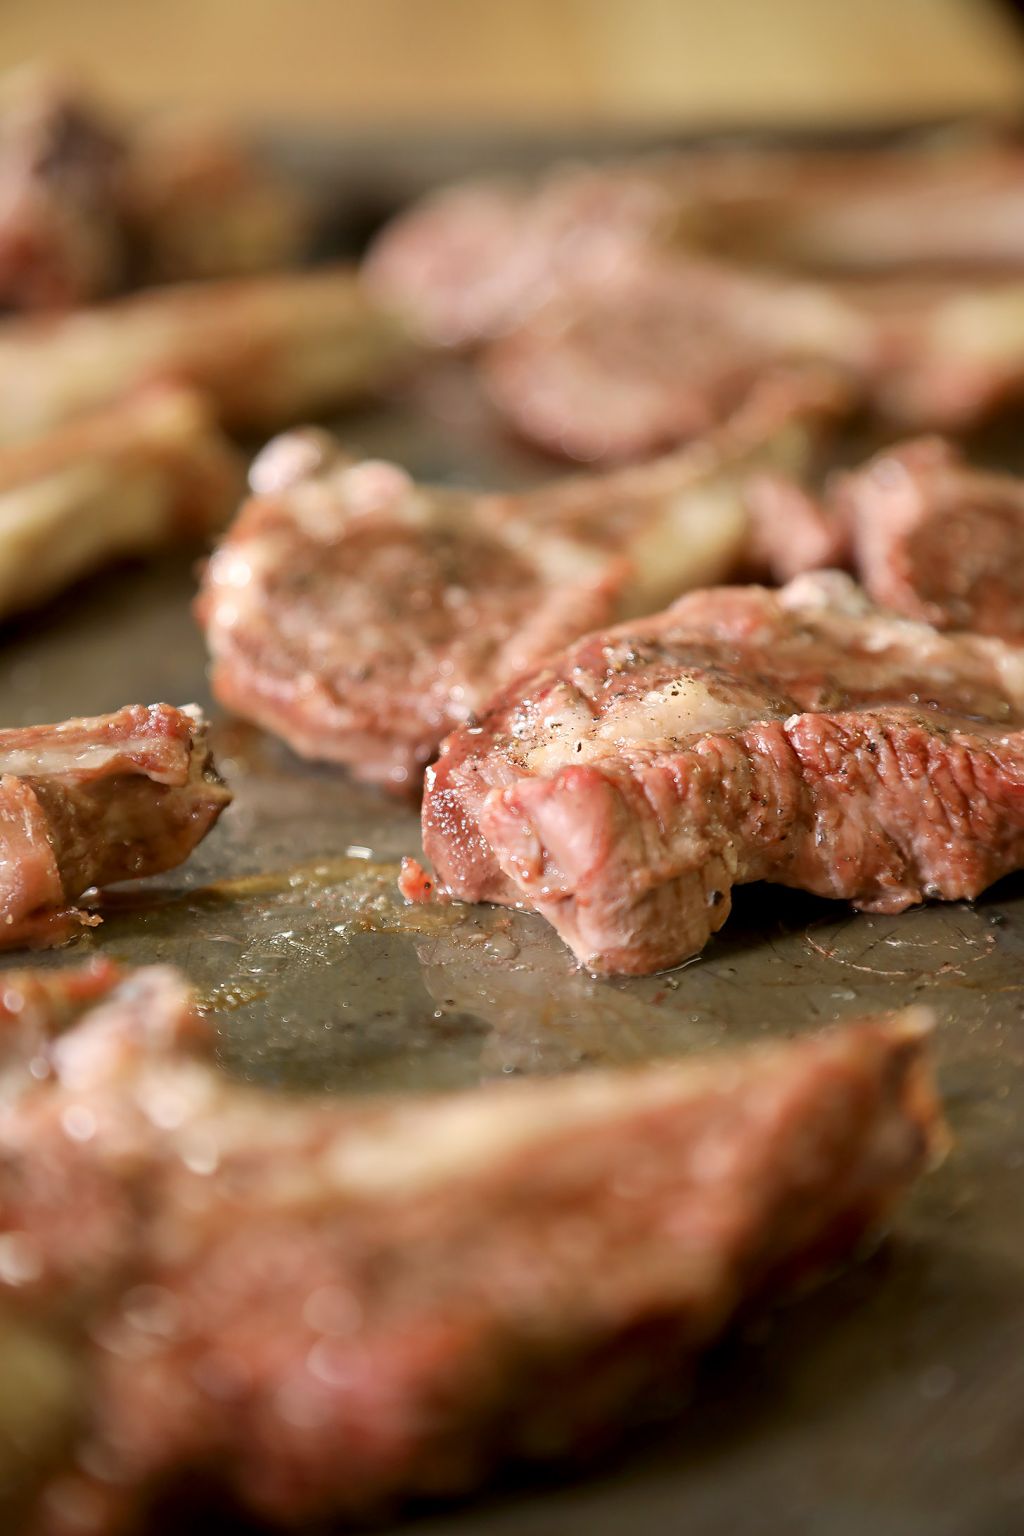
(319,1309)
(150,471)
(656,355)
(622,305)
(90,206)
(929,535)
(264,350)
(471,260)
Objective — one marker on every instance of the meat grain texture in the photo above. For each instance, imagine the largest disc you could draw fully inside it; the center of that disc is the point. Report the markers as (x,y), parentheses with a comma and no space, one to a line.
(799,737)
(320,1309)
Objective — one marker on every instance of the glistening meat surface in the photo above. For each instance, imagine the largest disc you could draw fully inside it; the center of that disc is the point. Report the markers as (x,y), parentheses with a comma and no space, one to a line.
(90,802)
(319,1309)
(362,617)
(800,737)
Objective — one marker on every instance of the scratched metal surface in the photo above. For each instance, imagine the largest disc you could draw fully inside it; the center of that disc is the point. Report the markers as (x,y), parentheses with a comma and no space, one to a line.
(893,1398)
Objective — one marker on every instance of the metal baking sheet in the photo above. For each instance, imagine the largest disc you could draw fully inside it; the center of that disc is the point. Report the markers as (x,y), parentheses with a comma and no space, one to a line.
(890,1400)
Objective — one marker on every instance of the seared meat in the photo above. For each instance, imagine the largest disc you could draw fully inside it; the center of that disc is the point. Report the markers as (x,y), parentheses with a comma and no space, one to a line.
(147,472)
(791,530)
(90,802)
(937,539)
(623,323)
(661,354)
(362,617)
(472,260)
(469,261)
(928,535)
(661,350)
(88,208)
(799,737)
(264,350)
(320,1308)
(935,206)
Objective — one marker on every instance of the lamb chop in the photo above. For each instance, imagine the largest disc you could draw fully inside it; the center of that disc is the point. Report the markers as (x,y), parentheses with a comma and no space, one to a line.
(799,737)
(362,617)
(149,471)
(951,205)
(319,1309)
(265,350)
(90,802)
(89,208)
(928,535)
(658,353)
(937,539)
(470,261)
(61,236)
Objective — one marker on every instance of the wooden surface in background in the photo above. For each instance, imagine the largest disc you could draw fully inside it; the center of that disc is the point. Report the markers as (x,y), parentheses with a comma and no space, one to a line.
(516,61)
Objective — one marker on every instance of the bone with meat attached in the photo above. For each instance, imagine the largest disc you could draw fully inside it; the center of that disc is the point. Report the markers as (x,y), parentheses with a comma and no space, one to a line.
(320,1308)
(266,350)
(150,471)
(91,802)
